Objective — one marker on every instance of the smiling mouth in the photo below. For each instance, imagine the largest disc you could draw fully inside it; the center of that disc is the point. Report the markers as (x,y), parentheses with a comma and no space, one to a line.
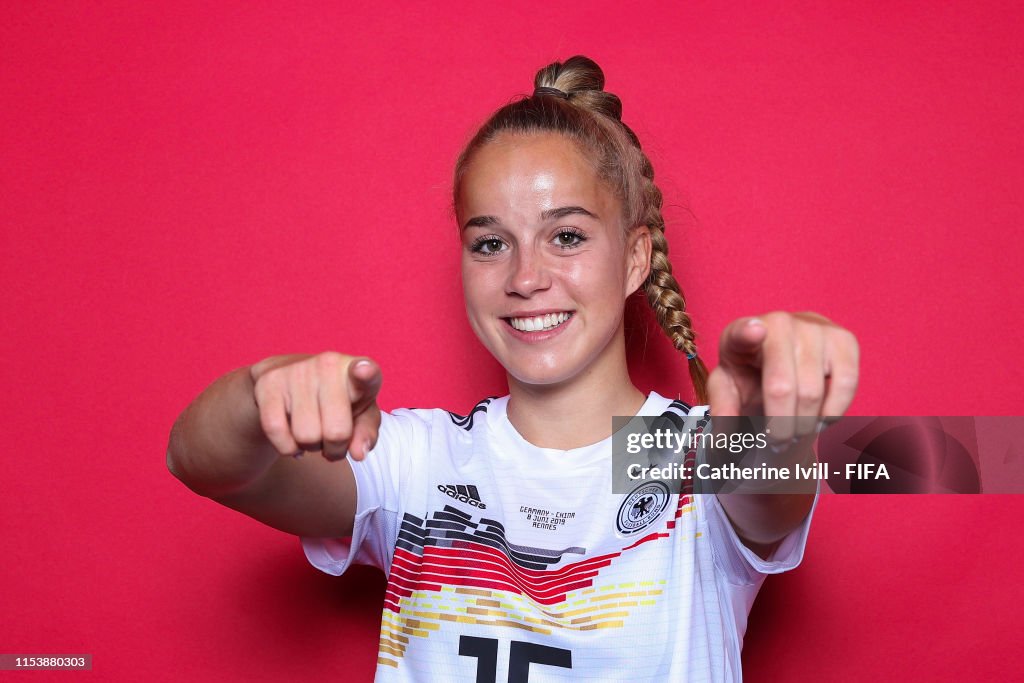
(540,323)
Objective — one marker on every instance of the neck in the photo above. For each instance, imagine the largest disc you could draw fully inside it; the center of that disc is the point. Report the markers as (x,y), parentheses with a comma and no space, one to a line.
(576,412)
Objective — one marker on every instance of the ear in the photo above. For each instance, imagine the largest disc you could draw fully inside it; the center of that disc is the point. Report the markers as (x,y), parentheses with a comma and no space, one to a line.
(638,257)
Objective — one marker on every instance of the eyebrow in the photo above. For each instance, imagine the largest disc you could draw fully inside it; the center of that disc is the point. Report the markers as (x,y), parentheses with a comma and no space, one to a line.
(560,212)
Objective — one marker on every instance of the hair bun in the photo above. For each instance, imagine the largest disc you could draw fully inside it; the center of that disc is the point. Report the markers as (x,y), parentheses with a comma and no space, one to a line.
(582,80)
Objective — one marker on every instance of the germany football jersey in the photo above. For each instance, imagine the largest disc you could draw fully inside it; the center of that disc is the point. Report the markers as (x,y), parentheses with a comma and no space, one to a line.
(509,562)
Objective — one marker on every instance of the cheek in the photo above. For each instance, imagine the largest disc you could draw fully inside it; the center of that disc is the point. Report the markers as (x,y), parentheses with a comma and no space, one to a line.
(599,280)
(478,286)
(474,314)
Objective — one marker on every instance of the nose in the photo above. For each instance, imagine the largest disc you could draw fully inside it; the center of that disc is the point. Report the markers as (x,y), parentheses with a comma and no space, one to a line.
(528,272)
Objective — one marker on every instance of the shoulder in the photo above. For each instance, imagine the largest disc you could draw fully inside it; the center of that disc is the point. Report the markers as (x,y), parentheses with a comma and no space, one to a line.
(483,409)
(658,405)
(434,420)
(412,434)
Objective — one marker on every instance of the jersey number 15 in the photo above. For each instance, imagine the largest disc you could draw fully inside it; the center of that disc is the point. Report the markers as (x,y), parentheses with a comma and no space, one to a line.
(520,656)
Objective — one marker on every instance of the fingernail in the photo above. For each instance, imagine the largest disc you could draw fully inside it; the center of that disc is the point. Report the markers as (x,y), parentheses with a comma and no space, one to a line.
(363,362)
(755,321)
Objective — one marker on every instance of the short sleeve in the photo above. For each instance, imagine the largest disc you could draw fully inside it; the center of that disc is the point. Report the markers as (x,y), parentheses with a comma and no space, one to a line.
(380,480)
(741,564)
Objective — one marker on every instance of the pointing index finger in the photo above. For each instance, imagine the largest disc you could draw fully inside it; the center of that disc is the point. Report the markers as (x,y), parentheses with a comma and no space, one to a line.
(742,341)
(364,384)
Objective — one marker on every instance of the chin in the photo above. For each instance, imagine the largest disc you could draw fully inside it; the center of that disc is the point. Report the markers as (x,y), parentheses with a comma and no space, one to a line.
(541,376)
(537,379)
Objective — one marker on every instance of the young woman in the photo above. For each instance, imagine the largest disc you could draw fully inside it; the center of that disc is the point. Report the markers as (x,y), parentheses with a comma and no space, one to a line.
(508,556)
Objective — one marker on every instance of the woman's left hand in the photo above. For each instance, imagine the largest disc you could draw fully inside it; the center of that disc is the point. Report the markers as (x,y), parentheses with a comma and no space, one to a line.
(785,364)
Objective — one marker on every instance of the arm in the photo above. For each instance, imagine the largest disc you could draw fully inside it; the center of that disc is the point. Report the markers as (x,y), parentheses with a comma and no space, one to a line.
(799,366)
(234,443)
(761,520)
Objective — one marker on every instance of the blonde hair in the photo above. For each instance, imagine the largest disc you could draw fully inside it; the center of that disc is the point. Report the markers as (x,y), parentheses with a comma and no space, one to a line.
(570,99)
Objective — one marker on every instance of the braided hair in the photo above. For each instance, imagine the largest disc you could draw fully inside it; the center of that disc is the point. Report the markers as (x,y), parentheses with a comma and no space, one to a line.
(569,98)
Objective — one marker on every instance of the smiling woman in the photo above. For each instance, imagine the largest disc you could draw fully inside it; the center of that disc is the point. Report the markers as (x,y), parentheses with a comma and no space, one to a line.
(505,549)
(545,240)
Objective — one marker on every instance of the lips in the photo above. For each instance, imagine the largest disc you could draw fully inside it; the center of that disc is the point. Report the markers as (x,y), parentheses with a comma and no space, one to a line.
(537,326)
(540,322)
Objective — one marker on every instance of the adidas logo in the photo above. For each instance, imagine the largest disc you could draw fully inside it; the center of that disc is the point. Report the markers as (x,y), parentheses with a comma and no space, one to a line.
(464,493)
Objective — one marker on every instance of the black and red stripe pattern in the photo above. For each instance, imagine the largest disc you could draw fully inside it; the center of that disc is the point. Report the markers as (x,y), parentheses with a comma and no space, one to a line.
(450,549)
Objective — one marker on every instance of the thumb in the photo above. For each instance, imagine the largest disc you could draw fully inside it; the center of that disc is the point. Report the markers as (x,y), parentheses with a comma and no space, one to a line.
(741,342)
(364,384)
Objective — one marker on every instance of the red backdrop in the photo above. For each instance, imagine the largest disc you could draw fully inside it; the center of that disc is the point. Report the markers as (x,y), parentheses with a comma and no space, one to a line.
(190,188)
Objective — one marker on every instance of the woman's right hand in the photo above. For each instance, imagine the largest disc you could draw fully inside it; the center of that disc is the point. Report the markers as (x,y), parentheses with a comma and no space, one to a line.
(325,403)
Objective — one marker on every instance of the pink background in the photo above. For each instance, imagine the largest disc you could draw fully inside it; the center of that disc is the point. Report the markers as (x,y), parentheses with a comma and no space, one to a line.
(191,188)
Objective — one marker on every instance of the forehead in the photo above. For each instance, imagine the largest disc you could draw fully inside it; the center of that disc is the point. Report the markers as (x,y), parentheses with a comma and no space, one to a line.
(530,173)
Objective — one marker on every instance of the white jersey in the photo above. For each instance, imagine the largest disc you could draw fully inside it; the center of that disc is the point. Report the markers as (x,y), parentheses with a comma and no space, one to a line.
(508,562)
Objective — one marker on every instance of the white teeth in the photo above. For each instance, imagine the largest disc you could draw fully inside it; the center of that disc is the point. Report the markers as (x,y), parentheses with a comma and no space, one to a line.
(539,323)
